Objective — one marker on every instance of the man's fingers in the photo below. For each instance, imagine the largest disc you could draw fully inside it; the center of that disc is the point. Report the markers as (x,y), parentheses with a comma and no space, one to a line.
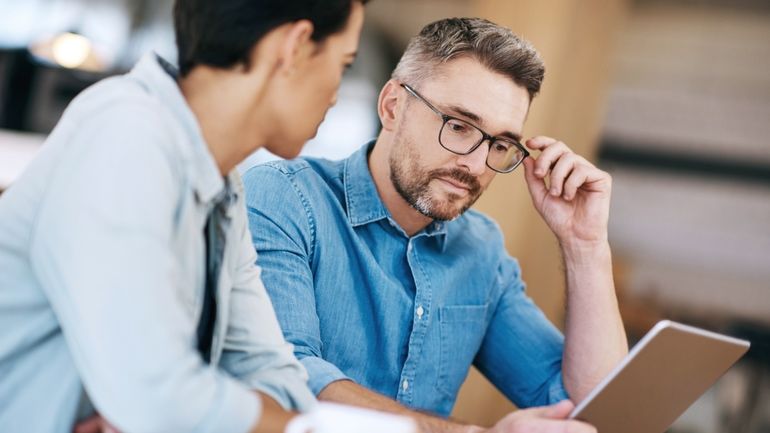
(557,426)
(539,142)
(536,186)
(567,164)
(555,411)
(549,156)
(559,410)
(576,179)
(587,178)
(546,419)
(551,419)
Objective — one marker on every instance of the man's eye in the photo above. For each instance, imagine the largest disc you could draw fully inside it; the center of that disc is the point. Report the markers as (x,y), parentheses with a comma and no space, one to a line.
(501,146)
(457,127)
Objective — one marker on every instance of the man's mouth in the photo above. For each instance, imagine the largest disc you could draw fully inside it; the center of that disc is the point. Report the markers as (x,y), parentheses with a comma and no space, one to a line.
(461,187)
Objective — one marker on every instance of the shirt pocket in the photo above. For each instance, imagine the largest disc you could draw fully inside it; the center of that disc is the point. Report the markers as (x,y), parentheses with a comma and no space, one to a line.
(461,329)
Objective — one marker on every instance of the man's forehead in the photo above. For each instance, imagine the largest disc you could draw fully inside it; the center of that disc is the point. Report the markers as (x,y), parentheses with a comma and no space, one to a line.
(469,89)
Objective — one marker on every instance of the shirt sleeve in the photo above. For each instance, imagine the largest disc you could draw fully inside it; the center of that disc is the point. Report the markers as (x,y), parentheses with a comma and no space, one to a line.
(522,350)
(102,250)
(282,229)
(255,351)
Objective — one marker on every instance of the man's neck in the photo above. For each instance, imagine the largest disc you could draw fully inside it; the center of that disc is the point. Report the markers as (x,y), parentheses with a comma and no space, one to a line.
(407,217)
(231,126)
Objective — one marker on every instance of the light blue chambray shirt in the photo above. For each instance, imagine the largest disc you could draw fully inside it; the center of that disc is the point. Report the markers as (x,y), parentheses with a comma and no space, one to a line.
(403,316)
(102,269)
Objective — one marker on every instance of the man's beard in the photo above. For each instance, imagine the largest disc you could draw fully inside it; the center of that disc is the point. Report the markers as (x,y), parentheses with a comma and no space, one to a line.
(413,184)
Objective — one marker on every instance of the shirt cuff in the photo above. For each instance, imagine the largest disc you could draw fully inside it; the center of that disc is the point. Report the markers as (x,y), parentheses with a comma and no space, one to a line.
(557,391)
(291,393)
(321,373)
(237,412)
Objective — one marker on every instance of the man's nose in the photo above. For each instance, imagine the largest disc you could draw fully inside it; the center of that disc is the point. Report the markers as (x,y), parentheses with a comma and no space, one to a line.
(476,161)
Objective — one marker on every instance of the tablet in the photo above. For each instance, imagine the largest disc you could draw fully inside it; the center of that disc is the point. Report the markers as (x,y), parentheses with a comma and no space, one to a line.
(659,379)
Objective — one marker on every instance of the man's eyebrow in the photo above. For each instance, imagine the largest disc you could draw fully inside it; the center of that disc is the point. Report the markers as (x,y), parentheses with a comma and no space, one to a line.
(480,122)
(511,135)
(466,113)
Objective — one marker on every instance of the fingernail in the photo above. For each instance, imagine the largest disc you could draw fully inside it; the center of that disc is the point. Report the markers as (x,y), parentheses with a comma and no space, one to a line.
(554,192)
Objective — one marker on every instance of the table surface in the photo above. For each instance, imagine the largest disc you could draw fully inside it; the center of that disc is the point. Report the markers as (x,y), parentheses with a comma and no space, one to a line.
(17,149)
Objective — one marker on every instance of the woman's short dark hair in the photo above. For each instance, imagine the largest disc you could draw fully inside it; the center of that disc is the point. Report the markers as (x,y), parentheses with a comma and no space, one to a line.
(222,33)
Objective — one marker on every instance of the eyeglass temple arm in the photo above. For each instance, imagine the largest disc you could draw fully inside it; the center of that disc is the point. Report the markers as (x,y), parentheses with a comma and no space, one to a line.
(417,95)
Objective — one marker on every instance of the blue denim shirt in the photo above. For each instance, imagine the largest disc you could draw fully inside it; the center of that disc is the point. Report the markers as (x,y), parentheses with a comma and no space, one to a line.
(404,316)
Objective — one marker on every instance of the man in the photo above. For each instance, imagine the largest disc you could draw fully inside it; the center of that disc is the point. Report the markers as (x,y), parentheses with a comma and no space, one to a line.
(390,288)
(128,283)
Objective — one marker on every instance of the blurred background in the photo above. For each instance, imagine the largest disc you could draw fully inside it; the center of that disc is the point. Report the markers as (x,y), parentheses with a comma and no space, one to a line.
(672,97)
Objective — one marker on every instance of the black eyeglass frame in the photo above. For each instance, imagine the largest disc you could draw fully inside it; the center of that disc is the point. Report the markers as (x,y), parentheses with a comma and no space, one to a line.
(484,136)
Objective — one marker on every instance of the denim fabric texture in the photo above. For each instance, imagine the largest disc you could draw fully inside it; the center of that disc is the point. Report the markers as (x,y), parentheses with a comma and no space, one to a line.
(404,316)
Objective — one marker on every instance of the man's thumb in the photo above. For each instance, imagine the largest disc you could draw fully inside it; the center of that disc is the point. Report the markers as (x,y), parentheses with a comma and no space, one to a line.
(559,410)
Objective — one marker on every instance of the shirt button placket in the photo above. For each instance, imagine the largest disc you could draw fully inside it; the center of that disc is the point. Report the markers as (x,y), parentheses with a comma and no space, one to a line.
(405,393)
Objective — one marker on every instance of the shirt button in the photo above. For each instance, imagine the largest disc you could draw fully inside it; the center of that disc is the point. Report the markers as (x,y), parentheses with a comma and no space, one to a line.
(405,384)
(420,312)
(409,248)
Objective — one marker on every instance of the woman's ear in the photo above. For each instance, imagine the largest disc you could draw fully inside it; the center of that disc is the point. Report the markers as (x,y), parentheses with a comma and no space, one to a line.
(296,46)
(283,49)
(388,105)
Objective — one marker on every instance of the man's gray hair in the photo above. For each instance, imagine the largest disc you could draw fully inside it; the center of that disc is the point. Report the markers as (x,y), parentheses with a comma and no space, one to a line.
(496,47)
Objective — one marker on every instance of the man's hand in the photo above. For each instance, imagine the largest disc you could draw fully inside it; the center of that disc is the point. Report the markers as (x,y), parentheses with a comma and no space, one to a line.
(550,419)
(575,200)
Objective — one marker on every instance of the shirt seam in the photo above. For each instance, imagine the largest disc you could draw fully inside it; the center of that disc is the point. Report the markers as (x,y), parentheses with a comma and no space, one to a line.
(289,176)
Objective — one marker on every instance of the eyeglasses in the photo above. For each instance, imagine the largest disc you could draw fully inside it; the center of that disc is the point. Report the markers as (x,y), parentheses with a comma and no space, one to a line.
(462,138)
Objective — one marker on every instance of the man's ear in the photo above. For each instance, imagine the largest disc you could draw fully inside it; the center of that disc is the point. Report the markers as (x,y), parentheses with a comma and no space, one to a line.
(388,107)
(296,46)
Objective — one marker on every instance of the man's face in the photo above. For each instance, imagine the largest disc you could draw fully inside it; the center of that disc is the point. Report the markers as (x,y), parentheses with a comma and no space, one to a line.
(312,90)
(438,183)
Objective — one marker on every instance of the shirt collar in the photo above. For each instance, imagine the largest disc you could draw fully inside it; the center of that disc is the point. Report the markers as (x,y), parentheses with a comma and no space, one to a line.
(436,230)
(364,203)
(159,77)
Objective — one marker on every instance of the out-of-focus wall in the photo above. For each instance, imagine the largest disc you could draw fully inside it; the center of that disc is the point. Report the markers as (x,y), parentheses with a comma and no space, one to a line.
(686,137)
